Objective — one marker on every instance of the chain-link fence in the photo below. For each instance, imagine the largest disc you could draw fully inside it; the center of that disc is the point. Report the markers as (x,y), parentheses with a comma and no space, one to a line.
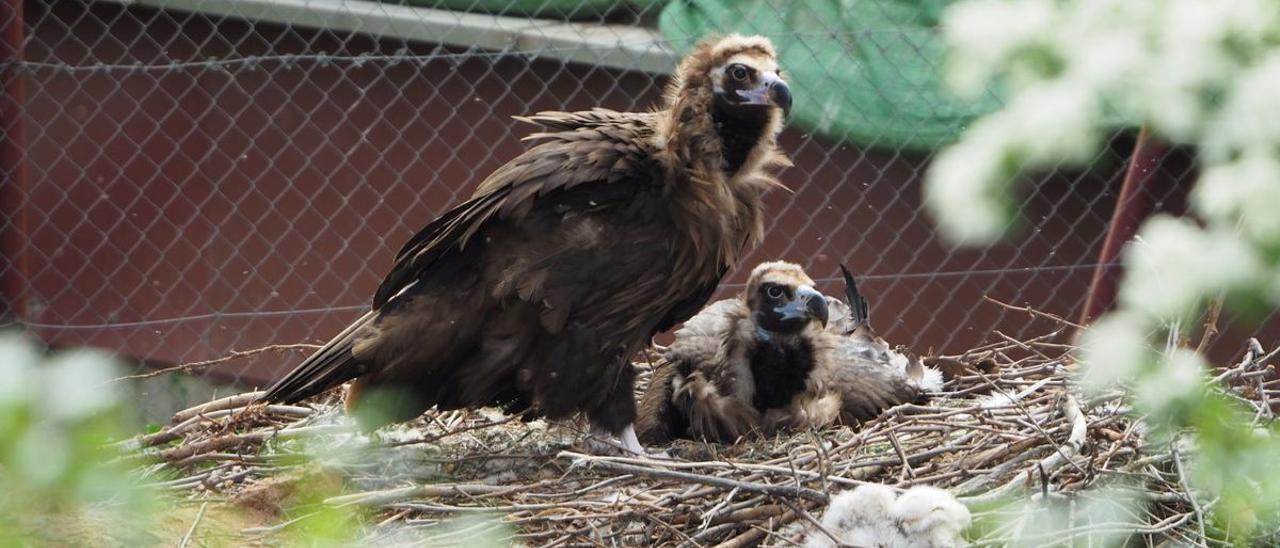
(188,178)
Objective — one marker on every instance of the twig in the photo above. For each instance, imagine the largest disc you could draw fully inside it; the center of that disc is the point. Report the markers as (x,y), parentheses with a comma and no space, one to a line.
(438,437)
(378,498)
(815,523)
(277,527)
(1160,527)
(1069,404)
(753,535)
(716,481)
(180,453)
(234,355)
(229,402)
(1186,487)
(735,465)
(186,539)
(1035,312)
(176,432)
(718,508)
(1210,324)
(1063,454)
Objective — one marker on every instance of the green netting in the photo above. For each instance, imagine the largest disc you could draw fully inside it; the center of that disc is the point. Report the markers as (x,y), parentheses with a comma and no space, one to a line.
(863,71)
(557,9)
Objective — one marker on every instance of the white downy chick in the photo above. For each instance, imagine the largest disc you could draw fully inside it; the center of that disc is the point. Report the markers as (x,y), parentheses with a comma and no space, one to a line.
(856,517)
(873,516)
(931,517)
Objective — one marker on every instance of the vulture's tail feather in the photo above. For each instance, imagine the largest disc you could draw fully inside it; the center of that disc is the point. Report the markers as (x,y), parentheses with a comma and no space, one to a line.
(857,303)
(329,366)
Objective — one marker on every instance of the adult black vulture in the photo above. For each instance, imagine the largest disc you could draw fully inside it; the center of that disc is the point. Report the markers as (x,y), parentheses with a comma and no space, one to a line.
(535,293)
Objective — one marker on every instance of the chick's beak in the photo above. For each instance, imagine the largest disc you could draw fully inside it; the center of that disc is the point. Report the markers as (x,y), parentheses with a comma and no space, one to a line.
(772,90)
(815,303)
(805,305)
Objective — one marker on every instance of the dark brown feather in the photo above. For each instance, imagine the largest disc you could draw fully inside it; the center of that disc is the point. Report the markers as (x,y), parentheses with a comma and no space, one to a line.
(657,420)
(535,293)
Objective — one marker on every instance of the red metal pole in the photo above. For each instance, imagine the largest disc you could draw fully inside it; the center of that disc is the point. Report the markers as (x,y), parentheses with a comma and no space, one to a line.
(1132,206)
(13,177)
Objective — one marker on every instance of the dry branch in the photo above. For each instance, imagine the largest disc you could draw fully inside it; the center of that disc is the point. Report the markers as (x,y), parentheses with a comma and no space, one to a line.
(234,355)
(716,481)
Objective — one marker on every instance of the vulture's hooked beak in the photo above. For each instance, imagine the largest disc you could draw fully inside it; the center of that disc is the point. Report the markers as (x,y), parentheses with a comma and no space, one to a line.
(807,303)
(771,91)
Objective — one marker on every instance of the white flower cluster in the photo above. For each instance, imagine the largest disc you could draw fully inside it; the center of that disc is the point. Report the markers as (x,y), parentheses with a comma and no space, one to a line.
(1205,73)
(967,184)
(1199,73)
(1242,193)
(1177,263)
(1116,349)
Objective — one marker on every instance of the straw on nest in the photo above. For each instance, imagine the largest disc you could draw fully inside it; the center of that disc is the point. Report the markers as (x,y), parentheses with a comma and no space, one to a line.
(1016,431)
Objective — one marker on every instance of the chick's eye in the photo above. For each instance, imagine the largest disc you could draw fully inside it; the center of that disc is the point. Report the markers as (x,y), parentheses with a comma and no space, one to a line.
(738,72)
(774,292)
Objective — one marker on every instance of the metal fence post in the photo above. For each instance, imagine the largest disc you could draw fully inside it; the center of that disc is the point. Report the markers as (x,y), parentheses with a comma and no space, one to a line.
(1132,206)
(12,166)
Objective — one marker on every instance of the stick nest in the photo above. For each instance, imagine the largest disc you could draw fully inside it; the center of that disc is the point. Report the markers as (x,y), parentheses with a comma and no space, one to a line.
(1008,427)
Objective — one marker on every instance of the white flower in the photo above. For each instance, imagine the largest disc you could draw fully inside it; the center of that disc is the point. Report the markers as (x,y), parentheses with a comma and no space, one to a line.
(78,384)
(1176,264)
(1249,114)
(1108,504)
(18,359)
(1114,349)
(1170,93)
(1178,379)
(1199,46)
(983,34)
(1049,124)
(1099,44)
(42,455)
(1216,23)
(965,190)
(969,185)
(1243,193)
(1107,61)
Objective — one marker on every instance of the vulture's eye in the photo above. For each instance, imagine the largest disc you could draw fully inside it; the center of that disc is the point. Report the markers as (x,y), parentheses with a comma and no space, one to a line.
(739,73)
(774,292)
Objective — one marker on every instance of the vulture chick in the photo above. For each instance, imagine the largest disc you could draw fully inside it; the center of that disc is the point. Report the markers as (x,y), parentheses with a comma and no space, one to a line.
(874,516)
(780,356)
(534,294)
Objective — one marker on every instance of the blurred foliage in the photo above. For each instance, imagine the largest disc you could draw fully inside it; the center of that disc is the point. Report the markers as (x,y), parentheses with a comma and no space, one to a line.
(314,523)
(62,483)
(1199,73)
(57,473)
